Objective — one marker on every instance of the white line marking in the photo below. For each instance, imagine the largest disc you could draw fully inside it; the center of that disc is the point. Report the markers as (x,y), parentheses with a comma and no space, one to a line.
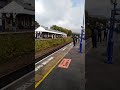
(44,63)
(50,58)
(38,67)
(64,48)
(51,54)
(70,44)
(68,50)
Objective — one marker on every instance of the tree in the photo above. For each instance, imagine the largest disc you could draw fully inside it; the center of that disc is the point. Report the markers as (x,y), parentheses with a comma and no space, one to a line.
(69,33)
(61,29)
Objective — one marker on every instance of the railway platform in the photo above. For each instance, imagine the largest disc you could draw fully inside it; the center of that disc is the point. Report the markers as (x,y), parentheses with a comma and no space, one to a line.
(100,75)
(67,74)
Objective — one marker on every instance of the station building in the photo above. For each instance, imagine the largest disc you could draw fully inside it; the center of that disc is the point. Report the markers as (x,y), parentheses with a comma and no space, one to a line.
(45,33)
(16,15)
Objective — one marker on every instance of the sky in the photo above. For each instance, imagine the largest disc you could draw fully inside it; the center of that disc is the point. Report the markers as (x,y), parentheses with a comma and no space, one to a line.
(65,13)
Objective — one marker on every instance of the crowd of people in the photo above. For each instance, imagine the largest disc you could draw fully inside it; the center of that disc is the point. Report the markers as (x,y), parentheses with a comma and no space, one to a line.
(97,33)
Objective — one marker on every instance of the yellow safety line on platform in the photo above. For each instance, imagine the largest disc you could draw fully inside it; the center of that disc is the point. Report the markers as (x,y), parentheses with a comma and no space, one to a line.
(49,71)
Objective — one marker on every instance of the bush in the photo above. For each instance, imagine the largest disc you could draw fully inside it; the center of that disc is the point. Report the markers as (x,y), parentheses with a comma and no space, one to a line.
(13,45)
(44,44)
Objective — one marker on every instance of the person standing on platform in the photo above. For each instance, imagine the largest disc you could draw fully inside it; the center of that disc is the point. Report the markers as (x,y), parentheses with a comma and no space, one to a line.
(94,35)
(99,33)
(105,33)
(74,40)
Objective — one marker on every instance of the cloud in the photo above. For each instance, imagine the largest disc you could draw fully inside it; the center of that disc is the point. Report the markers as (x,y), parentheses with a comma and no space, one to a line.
(62,13)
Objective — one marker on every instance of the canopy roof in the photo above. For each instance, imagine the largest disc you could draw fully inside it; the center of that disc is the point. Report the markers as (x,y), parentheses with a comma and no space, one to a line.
(15,7)
(41,29)
(100,8)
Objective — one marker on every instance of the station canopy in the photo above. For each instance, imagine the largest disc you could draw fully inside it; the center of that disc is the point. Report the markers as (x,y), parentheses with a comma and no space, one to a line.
(41,29)
(18,8)
(100,8)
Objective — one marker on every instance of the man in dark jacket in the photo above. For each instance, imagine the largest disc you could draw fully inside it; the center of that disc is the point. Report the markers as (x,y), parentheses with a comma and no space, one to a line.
(74,40)
(100,33)
(94,35)
(105,33)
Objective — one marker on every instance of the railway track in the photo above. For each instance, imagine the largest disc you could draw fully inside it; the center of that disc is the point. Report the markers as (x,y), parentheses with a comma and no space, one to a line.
(7,79)
(49,52)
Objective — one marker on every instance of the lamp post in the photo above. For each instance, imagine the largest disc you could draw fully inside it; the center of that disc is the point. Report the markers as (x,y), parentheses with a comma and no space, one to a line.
(110,38)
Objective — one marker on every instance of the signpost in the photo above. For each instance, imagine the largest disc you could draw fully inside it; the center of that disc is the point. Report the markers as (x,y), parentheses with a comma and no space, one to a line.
(81,39)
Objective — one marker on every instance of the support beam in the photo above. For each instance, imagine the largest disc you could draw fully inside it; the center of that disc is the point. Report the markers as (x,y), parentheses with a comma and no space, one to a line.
(0,21)
(14,22)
